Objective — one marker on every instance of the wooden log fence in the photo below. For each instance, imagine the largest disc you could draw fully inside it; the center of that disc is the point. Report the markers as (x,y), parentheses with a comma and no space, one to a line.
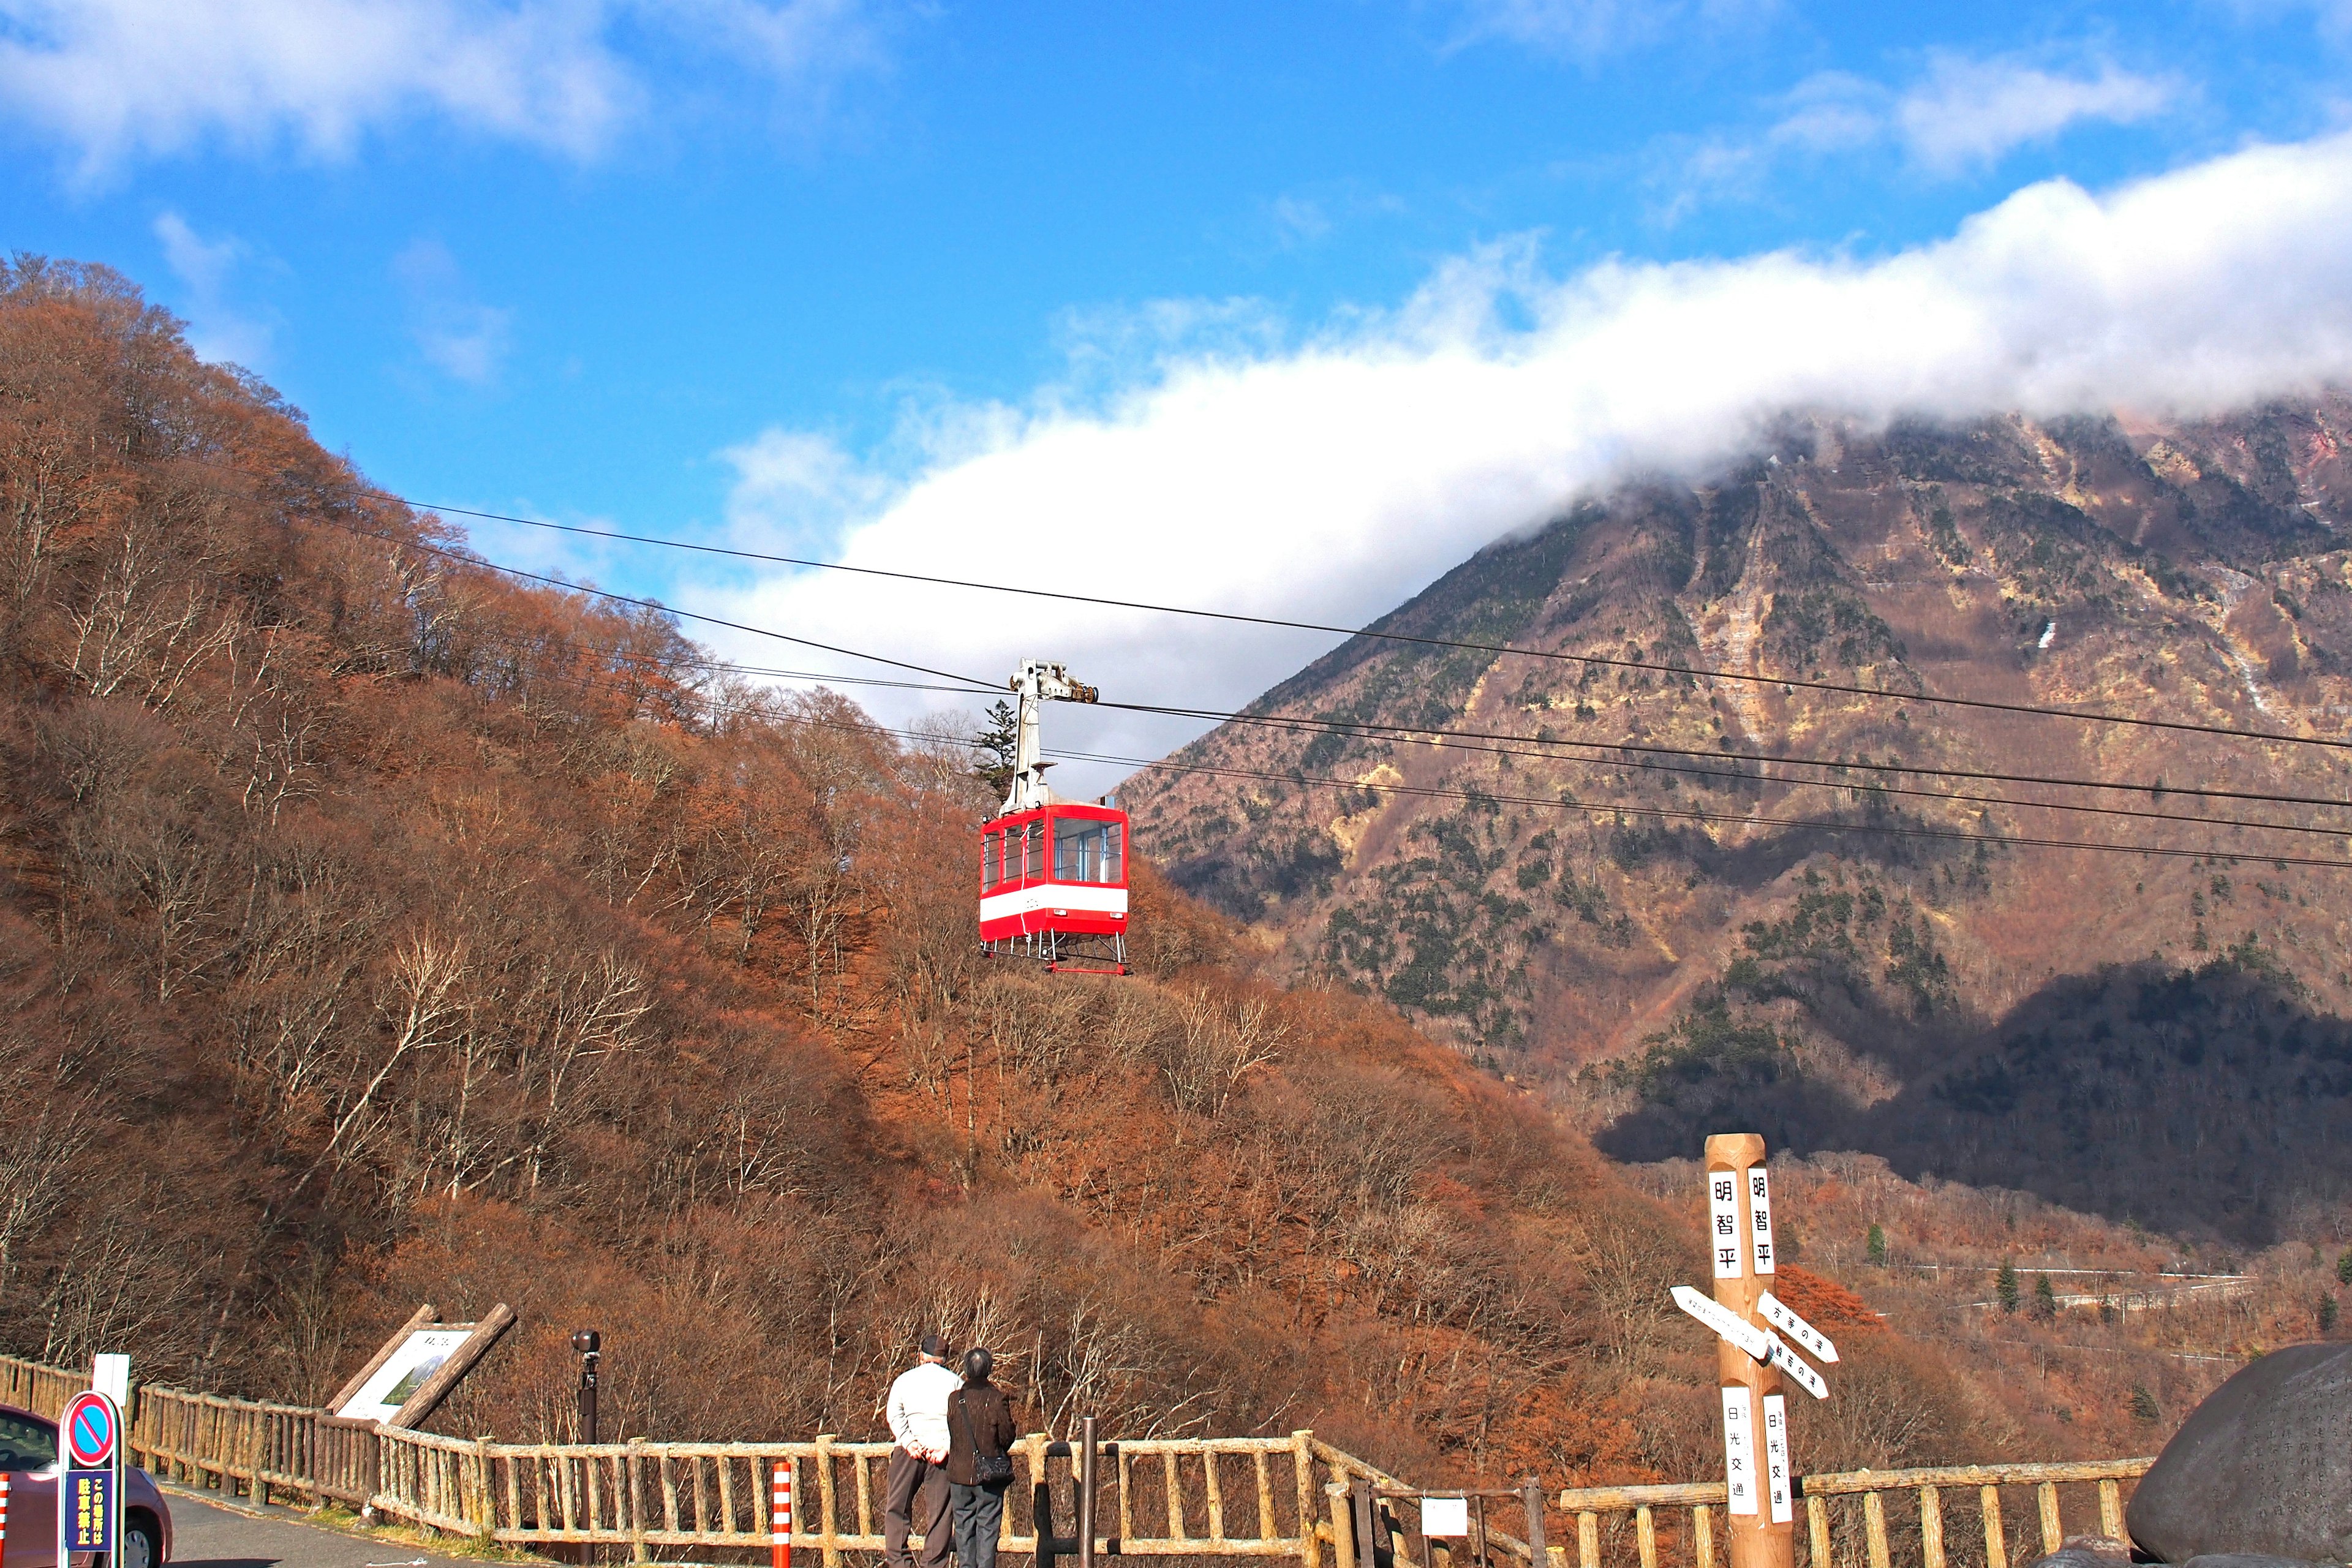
(1271,1497)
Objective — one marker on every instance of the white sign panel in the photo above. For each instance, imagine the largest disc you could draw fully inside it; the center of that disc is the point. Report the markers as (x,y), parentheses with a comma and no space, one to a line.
(1759,1210)
(1777,1489)
(1445,1516)
(418,1358)
(1739,1450)
(1810,1339)
(1723,1222)
(1792,1364)
(1725,1322)
(109,1373)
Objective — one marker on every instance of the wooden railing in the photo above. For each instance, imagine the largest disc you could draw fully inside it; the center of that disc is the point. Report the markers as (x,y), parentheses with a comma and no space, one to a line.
(1904,1509)
(1192,1497)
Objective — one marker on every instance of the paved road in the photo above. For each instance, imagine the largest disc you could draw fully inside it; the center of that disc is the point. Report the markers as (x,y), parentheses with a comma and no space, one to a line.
(206,1535)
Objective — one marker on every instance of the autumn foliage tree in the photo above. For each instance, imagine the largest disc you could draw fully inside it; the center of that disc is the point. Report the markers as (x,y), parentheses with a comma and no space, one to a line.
(373,928)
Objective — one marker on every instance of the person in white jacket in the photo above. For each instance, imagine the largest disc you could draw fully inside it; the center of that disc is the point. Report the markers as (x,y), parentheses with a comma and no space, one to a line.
(915,1490)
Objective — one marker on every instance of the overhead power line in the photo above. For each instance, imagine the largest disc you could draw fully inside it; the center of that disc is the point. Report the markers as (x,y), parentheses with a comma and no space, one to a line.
(1435,792)
(1460,741)
(1239,617)
(972,685)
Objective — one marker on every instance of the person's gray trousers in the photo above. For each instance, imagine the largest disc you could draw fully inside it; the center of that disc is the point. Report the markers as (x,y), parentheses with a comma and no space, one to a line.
(915,1498)
(979,1517)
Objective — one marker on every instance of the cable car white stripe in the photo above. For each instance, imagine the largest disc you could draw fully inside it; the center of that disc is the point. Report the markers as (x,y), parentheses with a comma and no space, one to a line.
(1078,896)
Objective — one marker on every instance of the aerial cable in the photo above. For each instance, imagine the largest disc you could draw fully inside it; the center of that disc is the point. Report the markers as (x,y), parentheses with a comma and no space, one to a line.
(1601,660)
(1433,792)
(1365,730)
(978,687)
(1460,741)
(975,687)
(1691,816)
(716,707)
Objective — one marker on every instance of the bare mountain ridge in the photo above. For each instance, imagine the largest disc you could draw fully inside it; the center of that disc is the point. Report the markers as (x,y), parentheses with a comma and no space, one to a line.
(1532,914)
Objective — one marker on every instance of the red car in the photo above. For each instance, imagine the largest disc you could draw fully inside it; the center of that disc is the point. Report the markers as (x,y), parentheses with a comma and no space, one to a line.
(28,1452)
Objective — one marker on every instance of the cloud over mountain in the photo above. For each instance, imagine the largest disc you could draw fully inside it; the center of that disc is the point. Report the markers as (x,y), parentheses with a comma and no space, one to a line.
(1331,477)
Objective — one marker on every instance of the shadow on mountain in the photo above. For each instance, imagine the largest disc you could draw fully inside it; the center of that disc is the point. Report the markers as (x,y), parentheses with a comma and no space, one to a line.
(2206,1101)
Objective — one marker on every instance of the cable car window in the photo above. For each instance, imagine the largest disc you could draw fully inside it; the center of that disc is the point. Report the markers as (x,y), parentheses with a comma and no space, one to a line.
(1036,833)
(991,857)
(1084,850)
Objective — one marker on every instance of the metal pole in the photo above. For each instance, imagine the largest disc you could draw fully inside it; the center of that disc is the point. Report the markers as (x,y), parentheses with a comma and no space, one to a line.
(1532,1492)
(589,1344)
(1086,1492)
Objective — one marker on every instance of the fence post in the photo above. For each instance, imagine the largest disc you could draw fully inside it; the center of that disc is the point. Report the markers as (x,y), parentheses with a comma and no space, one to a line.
(1302,1459)
(1367,1526)
(828,1536)
(1343,1524)
(1532,1492)
(1041,1498)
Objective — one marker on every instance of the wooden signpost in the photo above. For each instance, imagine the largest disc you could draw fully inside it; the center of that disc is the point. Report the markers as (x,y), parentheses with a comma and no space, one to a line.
(1749,1357)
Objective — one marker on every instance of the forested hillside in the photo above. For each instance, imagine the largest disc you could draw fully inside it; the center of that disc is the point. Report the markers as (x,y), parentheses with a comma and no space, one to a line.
(375,930)
(1778,896)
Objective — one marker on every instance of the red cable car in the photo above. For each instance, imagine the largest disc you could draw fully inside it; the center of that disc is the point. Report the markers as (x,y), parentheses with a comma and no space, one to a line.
(1053,872)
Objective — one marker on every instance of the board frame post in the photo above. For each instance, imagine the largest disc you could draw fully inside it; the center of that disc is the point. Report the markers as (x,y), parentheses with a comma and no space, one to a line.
(1750,1389)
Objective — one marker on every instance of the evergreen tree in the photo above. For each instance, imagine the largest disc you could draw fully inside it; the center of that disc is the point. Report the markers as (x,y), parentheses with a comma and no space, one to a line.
(2045,1300)
(2326,1312)
(1874,1244)
(999,745)
(2144,1407)
(2344,1268)
(2004,1286)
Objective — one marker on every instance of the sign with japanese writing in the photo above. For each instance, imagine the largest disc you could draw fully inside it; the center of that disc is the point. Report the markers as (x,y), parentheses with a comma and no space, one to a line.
(1727,1323)
(1789,1362)
(1759,1213)
(1723,1222)
(90,1510)
(1810,1339)
(1739,1449)
(1776,1487)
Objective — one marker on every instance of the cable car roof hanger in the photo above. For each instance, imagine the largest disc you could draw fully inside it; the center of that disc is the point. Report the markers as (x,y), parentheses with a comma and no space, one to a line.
(1053,872)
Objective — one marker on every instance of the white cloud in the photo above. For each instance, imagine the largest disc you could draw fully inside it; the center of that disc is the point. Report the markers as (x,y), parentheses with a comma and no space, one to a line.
(456,334)
(1971,113)
(115,79)
(1959,116)
(1328,480)
(1587,30)
(217,329)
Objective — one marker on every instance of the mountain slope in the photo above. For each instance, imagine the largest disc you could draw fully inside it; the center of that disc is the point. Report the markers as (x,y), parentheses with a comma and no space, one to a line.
(1622,871)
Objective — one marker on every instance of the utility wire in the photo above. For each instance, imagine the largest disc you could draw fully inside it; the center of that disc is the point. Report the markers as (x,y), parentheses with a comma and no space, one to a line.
(1601,660)
(973,684)
(1460,741)
(2154,788)
(1656,813)
(468,558)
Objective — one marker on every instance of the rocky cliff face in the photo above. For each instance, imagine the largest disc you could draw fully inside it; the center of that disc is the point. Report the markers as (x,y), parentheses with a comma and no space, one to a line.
(1705,930)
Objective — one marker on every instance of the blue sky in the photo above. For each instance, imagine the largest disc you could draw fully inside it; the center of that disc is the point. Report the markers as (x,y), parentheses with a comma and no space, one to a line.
(920,279)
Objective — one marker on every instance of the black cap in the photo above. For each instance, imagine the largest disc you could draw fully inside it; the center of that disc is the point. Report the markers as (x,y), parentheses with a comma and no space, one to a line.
(933,1345)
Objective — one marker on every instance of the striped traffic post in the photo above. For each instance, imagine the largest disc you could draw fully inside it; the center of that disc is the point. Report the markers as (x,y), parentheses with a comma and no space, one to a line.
(781,1514)
(4,1516)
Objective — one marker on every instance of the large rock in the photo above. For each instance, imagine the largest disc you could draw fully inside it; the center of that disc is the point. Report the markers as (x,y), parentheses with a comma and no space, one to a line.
(2263,1466)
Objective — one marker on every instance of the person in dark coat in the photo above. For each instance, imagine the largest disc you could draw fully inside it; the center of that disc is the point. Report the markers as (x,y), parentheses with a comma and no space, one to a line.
(980,1426)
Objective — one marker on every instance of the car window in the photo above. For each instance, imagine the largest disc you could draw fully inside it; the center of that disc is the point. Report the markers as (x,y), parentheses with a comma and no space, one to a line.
(27,1444)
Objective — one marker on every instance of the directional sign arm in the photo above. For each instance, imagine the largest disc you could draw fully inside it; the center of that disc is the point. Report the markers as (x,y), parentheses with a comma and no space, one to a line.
(1792,1364)
(1725,1322)
(1815,1342)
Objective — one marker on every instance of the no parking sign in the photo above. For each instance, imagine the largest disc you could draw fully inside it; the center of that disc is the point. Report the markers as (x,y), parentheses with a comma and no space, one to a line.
(89,1501)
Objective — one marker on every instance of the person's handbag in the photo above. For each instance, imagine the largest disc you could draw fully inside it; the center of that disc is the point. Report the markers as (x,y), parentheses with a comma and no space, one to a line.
(987,1469)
